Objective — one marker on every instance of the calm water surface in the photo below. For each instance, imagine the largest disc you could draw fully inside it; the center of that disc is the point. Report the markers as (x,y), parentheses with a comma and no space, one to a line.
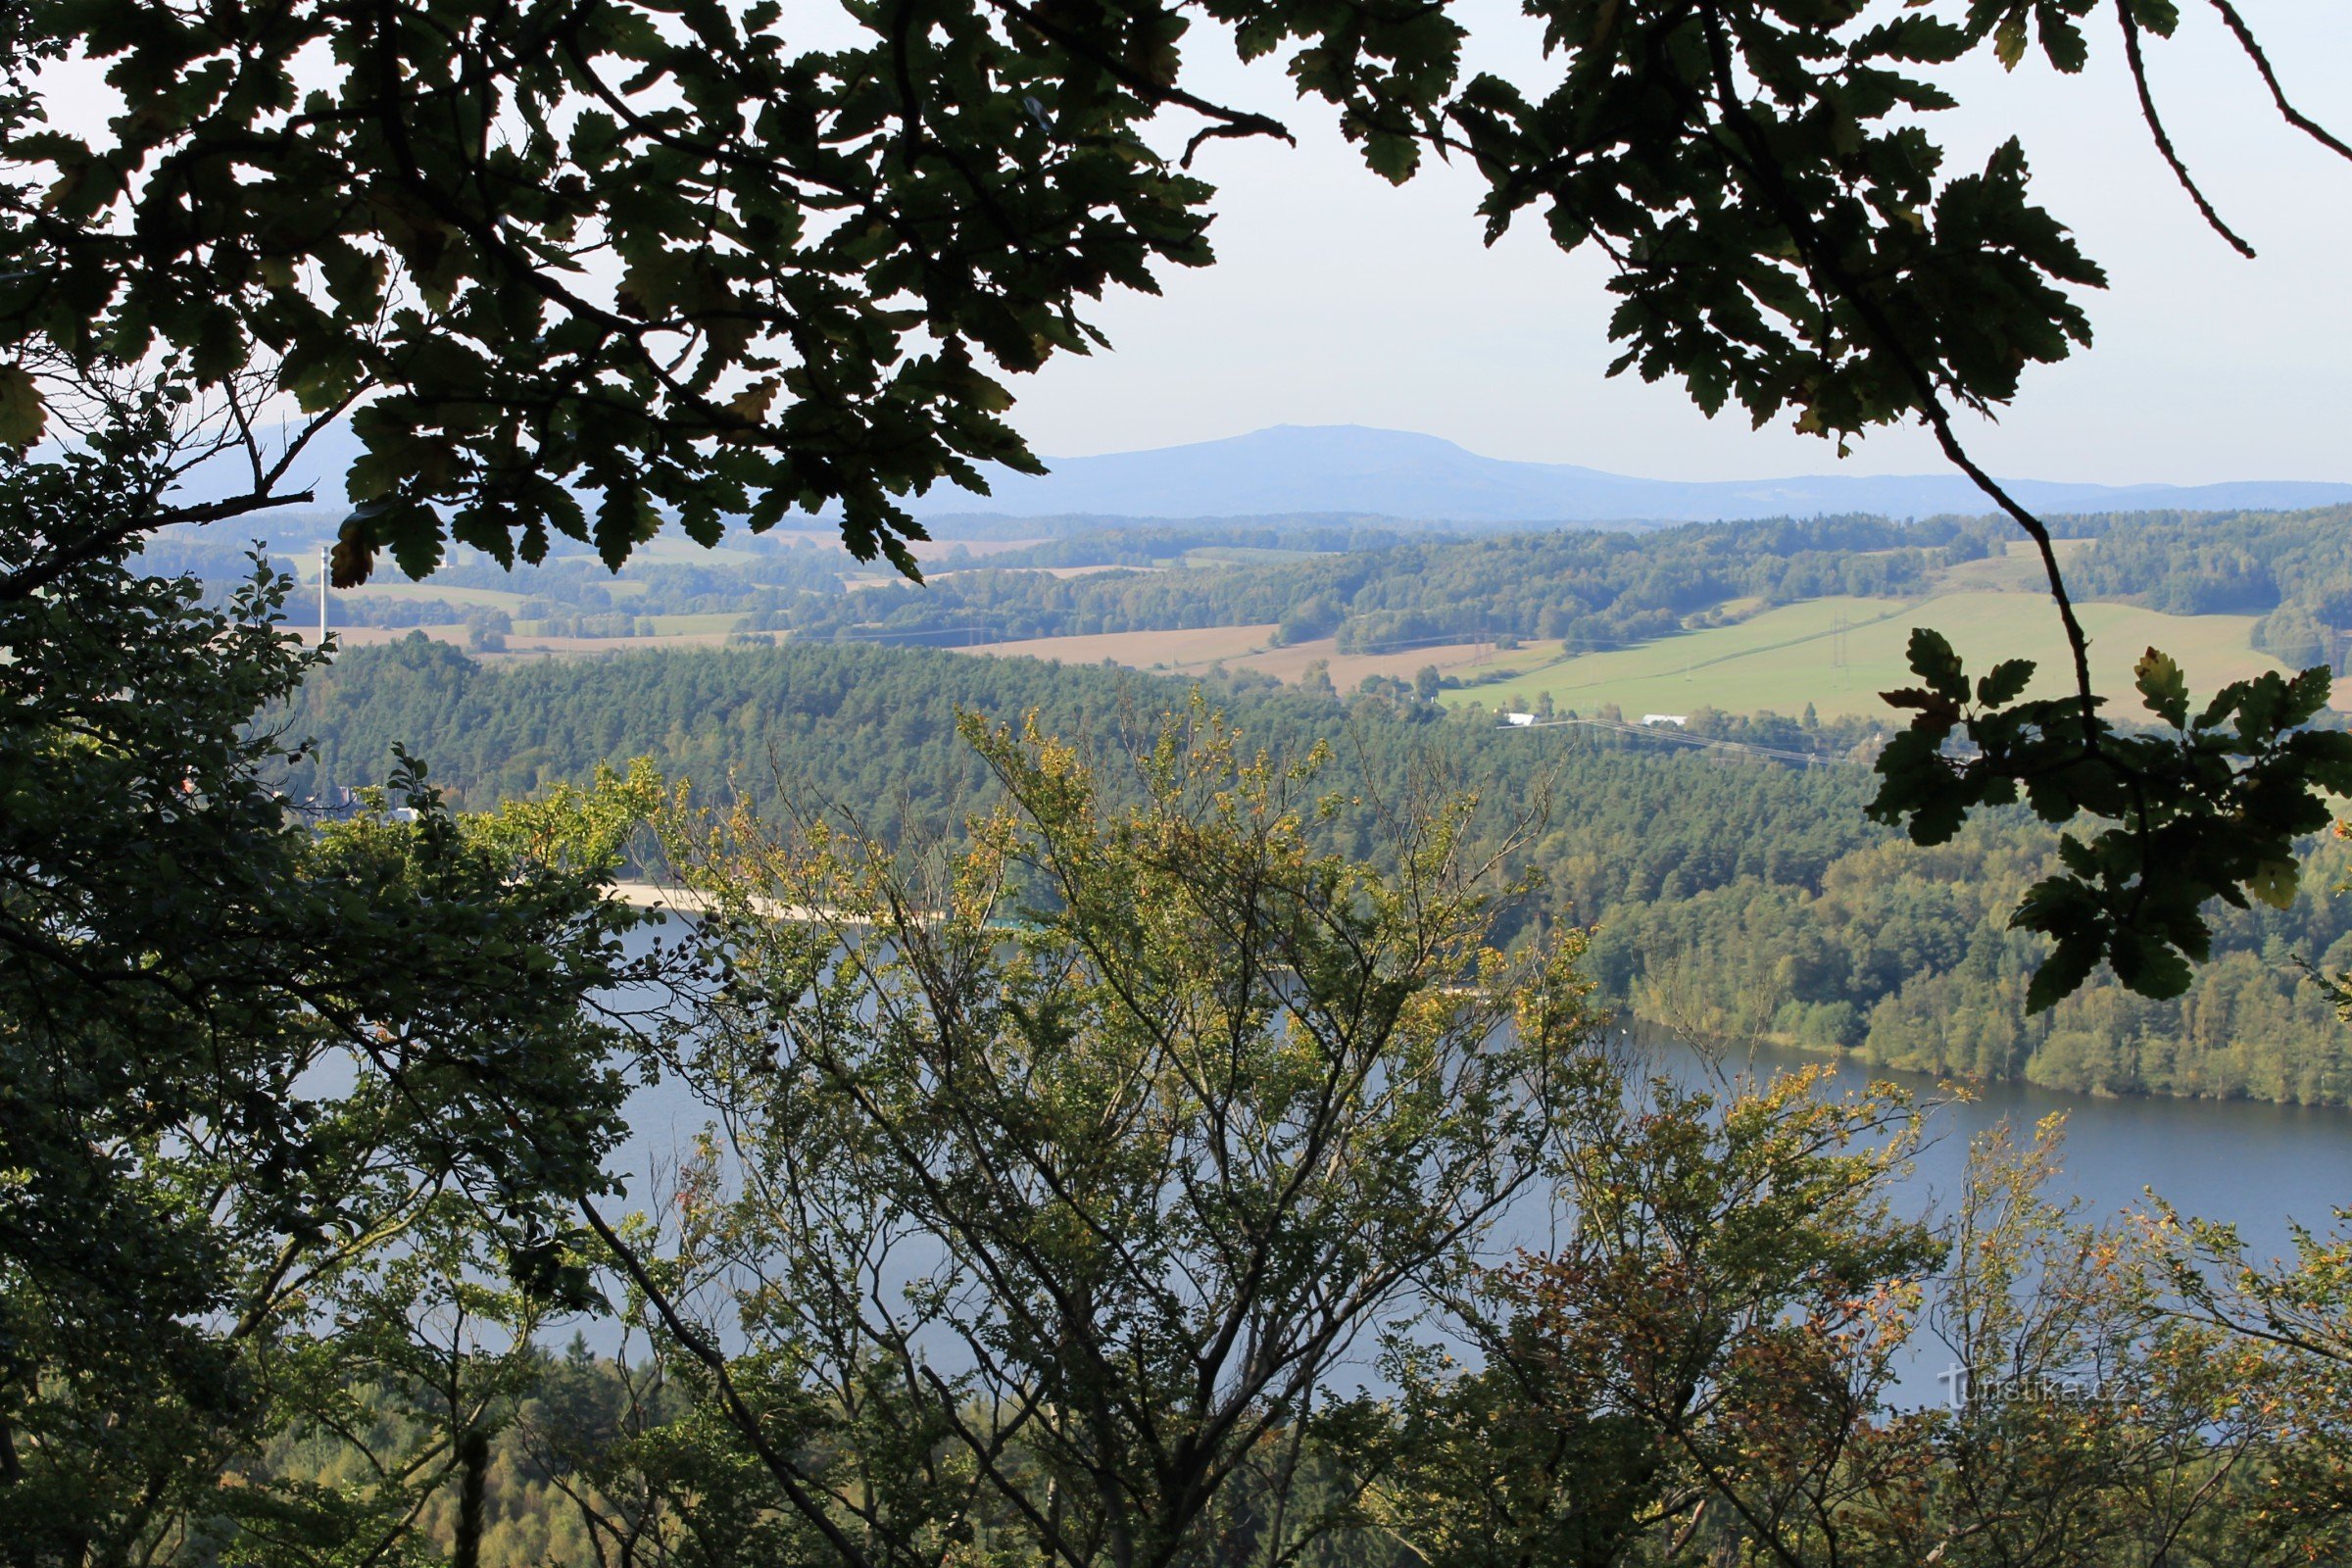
(2261,1167)
(2258,1167)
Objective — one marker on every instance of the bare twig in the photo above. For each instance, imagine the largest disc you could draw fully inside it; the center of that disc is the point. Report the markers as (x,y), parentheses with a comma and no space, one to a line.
(745,1421)
(2164,140)
(2270,78)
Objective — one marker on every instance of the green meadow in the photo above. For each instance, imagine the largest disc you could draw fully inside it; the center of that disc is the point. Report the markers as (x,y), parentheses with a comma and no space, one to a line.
(1782,659)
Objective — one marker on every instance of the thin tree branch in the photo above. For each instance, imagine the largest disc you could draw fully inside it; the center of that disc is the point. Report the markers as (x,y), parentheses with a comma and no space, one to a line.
(739,1415)
(2163,141)
(2270,78)
(30,579)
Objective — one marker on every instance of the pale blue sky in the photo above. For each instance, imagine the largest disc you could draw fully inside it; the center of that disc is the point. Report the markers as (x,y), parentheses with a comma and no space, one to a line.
(1338,300)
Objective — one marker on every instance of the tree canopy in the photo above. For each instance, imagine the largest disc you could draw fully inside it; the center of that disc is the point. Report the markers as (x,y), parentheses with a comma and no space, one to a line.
(583,265)
(701,260)
(300,1123)
(246,1064)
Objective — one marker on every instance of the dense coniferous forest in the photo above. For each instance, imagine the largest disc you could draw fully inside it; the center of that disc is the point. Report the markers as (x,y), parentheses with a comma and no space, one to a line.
(1733,897)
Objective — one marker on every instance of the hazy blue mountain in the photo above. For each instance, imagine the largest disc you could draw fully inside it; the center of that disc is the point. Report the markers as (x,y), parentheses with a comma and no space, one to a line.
(1351,469)
(1293,471)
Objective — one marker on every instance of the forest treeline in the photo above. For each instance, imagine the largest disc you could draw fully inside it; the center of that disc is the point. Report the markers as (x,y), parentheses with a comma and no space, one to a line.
(1592,588)
(2293,569)
(766,572)
(1732,898)
(1577,585)
(1379,588)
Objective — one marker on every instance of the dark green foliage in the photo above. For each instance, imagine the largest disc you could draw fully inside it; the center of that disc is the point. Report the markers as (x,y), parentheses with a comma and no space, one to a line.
(237,1056)
(825,257)
(2204,809)
(1784,233)
(828,255)
(1731,897)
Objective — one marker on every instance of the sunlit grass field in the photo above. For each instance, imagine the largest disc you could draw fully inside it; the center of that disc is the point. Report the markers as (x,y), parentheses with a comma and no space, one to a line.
(1787,658)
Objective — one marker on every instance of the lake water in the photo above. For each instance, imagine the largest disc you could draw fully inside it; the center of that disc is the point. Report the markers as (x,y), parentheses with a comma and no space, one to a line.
(2258,1167)
(2261,1167)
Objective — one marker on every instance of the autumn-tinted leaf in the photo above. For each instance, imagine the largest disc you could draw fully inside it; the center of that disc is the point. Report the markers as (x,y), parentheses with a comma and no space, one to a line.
(23,417)
(2163,687)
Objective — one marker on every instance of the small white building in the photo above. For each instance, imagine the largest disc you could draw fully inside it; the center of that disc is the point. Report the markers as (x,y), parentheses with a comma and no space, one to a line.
(1519,721)
(1677,720)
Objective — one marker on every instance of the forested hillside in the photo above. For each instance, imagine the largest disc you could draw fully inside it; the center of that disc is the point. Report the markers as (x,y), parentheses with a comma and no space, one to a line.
(2294,569)
(1732,898)
(1578,586)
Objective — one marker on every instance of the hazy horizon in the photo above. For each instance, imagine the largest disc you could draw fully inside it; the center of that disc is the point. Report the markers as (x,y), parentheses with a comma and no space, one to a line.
(1338,300)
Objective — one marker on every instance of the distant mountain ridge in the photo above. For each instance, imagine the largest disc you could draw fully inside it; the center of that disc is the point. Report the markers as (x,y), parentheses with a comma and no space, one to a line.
(1297,470)
(1346,470)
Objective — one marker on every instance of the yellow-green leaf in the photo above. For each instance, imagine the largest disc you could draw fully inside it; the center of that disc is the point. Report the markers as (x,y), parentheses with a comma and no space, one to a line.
(2162,686)
(23,416)
(751,405)
(2009,42)
(2274,882)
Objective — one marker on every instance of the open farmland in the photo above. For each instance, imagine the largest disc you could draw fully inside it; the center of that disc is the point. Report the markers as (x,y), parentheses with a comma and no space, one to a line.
(524,647)
(1779,659)
(1787,658)
(2017,570)
(1781,645)
(1193,651)
(394,593)
(307,633)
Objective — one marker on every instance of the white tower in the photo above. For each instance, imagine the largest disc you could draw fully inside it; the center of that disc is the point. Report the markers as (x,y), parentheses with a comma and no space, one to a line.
(323,581)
